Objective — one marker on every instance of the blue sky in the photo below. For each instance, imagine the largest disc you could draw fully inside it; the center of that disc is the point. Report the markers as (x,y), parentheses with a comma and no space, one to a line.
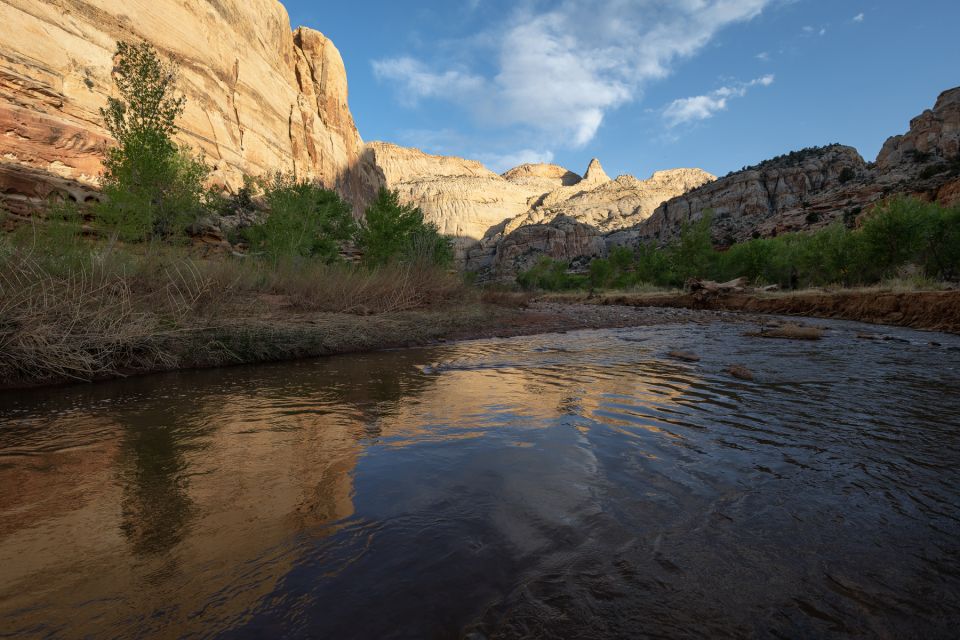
(641,84)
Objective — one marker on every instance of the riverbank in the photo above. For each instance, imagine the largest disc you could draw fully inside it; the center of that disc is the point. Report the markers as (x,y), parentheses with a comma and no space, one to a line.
(926,310)
(275,330)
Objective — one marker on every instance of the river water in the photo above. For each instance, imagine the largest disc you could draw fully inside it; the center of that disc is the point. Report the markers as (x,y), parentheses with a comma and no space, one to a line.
(582,485)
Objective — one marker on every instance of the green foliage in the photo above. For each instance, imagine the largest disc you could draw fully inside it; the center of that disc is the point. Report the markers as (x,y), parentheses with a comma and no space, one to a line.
(899,233)
(693,255)
(153,188)
(305,220)
(55,237)
(933,170)
(549,275)
(392,231)
(601,273)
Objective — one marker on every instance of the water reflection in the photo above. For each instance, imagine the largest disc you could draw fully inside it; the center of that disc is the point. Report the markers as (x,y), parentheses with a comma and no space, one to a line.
(582,484)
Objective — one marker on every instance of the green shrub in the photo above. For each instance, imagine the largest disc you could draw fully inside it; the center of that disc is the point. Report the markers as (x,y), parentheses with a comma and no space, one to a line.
(846,175)
(392,231)
(693,255)
(304,220)
(601,273)
(549,275)
(152,187)
(893,232)
(899,233)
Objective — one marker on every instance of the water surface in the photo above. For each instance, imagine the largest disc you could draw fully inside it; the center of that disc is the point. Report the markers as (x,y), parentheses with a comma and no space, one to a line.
(582,485)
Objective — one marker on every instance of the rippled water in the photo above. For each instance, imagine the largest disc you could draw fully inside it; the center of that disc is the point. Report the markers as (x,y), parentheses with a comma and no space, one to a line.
(566,486)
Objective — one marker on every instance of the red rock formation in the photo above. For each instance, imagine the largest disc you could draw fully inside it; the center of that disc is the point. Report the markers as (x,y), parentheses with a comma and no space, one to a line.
(260,98)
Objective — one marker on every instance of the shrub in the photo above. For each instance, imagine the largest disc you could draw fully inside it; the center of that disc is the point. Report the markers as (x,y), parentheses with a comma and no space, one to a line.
(892,233)
(152,187)
(392,231)
(305,220)
(846,175)
(601,273)
(549,275)
(693,256)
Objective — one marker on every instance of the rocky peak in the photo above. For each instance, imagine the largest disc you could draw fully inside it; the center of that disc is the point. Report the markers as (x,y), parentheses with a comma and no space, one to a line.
(934,135)
(814,187)
(595,173)
(561,176)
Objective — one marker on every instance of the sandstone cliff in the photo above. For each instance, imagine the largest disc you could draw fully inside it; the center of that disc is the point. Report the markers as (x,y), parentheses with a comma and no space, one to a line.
(933,135)
(569,222)
(462,197)
(261,97)
(489,214)
(815,187)
(775,196)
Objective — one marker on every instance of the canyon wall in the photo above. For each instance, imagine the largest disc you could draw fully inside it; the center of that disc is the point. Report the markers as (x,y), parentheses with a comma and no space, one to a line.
(812,188)
(260,97)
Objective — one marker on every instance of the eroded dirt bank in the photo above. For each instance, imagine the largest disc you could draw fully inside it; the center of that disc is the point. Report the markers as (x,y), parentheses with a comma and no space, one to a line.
(283,334)
(928,310)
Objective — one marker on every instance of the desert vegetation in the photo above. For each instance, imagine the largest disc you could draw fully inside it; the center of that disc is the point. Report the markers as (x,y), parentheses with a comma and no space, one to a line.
(117,287)
(903,239)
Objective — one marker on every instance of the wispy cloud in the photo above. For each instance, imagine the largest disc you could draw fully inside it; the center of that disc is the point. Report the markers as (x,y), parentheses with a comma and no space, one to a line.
(696,108)
(560,70)
(763,56)
(419,82)
(859,17)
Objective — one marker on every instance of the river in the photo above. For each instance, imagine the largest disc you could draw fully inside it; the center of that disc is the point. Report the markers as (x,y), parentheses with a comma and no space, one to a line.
(579,485)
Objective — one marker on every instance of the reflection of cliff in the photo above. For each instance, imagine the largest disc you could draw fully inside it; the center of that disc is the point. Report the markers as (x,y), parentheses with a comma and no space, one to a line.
(207,482)
(197,496)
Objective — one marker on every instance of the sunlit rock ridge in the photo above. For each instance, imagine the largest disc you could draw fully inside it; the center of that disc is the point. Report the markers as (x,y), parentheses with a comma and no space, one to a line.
(566,214)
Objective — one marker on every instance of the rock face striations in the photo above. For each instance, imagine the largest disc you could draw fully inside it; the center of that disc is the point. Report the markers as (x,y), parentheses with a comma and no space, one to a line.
(815,187)
(462,197)
(503,223)
(260,97)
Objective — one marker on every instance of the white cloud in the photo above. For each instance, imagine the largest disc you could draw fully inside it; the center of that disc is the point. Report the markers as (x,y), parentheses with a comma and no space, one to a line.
(859,17)
(504,162)
(559,71)
(418,82)
(763,56)
(695,108)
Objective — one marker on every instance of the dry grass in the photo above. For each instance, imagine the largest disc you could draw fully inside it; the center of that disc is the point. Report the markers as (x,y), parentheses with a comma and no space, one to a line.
(506,298)
(109,312)
(72,327)
(343,289)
